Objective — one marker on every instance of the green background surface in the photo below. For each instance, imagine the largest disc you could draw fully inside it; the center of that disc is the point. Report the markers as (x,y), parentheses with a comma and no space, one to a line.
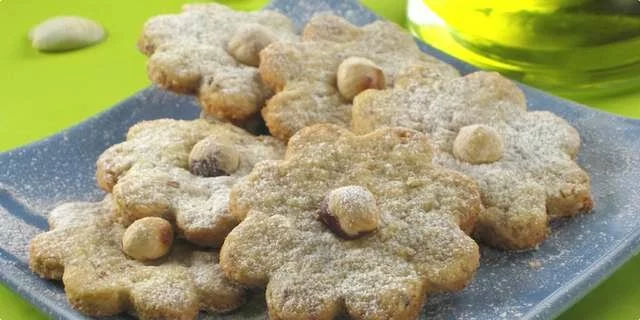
(41,94)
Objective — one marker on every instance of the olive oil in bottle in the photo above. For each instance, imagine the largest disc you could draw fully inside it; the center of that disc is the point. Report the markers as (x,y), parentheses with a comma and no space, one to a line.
(572,47)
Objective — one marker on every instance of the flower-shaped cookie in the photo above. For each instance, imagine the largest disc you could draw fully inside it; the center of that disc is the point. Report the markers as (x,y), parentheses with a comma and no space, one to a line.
(362,225)
(316,79)
(212,51)
(83,249)
(523,161)
(182,171)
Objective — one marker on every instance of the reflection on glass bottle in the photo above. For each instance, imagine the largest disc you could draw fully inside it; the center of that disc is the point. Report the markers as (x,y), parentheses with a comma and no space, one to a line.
(572,47)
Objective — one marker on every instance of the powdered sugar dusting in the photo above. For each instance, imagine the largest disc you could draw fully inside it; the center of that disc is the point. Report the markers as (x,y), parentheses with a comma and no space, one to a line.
(190,53)
(303,74)
(14,233)
(418,247)
(150,174)
(301,11)
(84,243)
(532,177)
(578,254)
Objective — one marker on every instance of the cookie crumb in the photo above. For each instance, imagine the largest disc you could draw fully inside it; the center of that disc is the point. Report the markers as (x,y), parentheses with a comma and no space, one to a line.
(535,264)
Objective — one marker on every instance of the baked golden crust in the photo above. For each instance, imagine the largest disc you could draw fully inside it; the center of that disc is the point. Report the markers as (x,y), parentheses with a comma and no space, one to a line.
(419,245)
(303,74)
(83,249)
(150,174)
(210,50)
(534,178)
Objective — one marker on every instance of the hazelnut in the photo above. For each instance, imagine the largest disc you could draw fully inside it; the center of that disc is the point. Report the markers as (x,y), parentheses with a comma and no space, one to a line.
(245,45)
(350,212)
(211,158)
(357,74)
(147,238)
(477,144)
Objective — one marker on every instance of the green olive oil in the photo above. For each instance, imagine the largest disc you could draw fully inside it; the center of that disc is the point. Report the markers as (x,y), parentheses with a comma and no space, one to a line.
(572,47)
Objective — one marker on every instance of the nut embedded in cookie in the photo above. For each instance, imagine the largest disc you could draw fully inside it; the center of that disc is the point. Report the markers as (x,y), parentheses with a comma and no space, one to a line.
(316,79)
(212,51)
(196,205)
(524,162)
(148,238)
(83,249)
(350,212)
(409,217)
(247,42)
(210,158)
(357,74)
(478,144)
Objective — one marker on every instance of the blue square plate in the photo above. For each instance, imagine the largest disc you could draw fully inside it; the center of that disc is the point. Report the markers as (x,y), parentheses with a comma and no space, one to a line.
(539,284)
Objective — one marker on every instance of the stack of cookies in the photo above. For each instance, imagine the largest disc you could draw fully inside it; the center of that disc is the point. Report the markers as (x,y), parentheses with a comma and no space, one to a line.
(381,168)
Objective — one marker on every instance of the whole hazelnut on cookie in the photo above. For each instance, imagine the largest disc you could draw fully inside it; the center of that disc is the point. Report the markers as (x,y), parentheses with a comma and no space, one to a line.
(350,212)
(147,238)
(210,158)
(356,74)
(478,144)
(245,45)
